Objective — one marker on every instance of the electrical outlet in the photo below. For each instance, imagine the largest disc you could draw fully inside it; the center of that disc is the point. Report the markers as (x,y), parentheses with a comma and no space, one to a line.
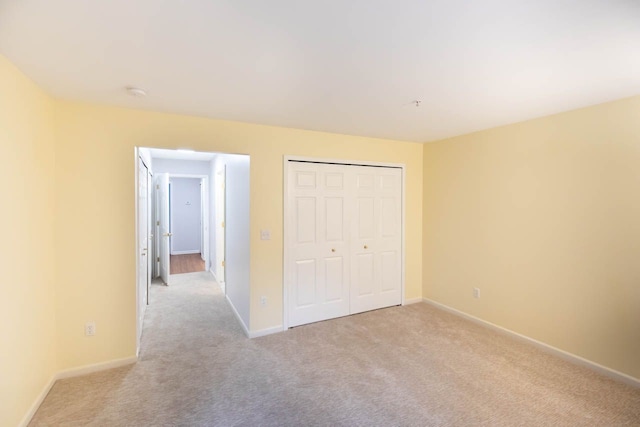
(90,329)
(476,292)
(265,235)
(263,301)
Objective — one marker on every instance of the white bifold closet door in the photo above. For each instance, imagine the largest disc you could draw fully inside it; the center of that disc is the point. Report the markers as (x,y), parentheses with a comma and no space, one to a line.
(376,239)
(344,240)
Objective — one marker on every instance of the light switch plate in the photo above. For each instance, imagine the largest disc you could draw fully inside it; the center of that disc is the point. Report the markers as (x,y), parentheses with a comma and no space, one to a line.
(265,235)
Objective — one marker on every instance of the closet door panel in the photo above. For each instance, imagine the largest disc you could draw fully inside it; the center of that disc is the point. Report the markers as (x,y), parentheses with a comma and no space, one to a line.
(319,217)
(377,236)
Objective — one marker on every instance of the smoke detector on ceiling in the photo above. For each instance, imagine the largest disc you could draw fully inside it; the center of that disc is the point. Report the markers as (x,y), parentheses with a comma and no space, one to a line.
(136,91)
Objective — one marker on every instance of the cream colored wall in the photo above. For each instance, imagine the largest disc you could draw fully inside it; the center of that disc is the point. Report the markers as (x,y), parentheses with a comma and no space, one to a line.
(95,212)
(543,217)
(27,301)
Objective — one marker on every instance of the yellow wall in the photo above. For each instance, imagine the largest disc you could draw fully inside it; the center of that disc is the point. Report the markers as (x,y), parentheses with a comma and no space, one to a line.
(95,212)
(544,217)
(27,300)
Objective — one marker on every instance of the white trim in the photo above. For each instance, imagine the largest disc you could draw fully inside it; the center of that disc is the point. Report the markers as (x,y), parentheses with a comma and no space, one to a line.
(266,331)
(403,219)
(36,404)
(285,243)
(286,220)
(195,251)
(69,373)
(235,312)
(565,355)
(412,301)
(96,367)
(221,284)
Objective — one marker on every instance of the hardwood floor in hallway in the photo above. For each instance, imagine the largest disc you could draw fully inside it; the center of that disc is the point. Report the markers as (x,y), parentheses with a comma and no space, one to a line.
(189,263)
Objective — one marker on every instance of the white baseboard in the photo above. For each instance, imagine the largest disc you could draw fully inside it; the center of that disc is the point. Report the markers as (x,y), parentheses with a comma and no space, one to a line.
(608,372)
(185,252)
(235,312)
(409,301)
(96,367)
(36,404)
(69,373)
(267,331)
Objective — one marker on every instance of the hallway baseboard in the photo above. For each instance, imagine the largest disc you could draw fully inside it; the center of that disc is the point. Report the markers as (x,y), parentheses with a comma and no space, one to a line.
(245,329)
(266,331)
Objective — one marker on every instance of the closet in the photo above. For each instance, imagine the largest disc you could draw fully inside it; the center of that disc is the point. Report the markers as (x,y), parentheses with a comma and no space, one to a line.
(343,240)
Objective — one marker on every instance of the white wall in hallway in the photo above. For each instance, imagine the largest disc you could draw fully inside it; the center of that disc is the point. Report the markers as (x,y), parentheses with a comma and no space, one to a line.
(237,232)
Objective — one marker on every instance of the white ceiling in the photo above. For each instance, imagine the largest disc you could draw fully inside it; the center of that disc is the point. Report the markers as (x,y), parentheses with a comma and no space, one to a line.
(350,67)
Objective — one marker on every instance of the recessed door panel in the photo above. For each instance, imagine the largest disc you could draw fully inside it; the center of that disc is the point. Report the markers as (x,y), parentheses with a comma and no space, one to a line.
(334,279)
(389,271)
(305,219)
(389,182)
(306,179)
(389,217)
(334,217)
(365,181)
(305,282)
(365,276)
(365,222)
(334,181)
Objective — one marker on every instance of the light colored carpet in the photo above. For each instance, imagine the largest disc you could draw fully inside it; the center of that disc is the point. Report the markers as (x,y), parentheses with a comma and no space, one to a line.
(402,366)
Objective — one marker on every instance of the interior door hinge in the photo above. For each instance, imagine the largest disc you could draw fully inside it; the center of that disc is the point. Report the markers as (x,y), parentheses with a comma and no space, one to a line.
(222,224)
(157,222)
(158,187)
(223,263)
(158,259)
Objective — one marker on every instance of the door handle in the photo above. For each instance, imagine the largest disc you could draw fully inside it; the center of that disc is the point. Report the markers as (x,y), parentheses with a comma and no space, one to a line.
(333,250)
(168,234)
(366,247)
(144,254)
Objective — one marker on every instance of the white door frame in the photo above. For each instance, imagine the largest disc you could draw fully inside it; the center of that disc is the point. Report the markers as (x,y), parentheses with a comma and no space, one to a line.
(139,307)
(220,180)
(287,221)
(204,202)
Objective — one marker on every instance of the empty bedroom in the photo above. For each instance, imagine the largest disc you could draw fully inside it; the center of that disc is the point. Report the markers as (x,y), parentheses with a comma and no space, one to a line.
(414,213)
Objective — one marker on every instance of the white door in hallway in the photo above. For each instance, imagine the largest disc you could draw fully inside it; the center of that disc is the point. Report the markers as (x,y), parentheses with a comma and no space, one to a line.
(162,188)
(376,239)
(319,218)
(143,243)
(344,240)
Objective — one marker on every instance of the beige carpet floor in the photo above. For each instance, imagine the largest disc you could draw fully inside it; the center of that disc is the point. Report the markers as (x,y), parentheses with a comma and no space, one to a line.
(401,366)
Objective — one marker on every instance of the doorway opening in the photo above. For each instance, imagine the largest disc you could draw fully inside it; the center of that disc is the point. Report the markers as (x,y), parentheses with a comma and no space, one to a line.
(197,219)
